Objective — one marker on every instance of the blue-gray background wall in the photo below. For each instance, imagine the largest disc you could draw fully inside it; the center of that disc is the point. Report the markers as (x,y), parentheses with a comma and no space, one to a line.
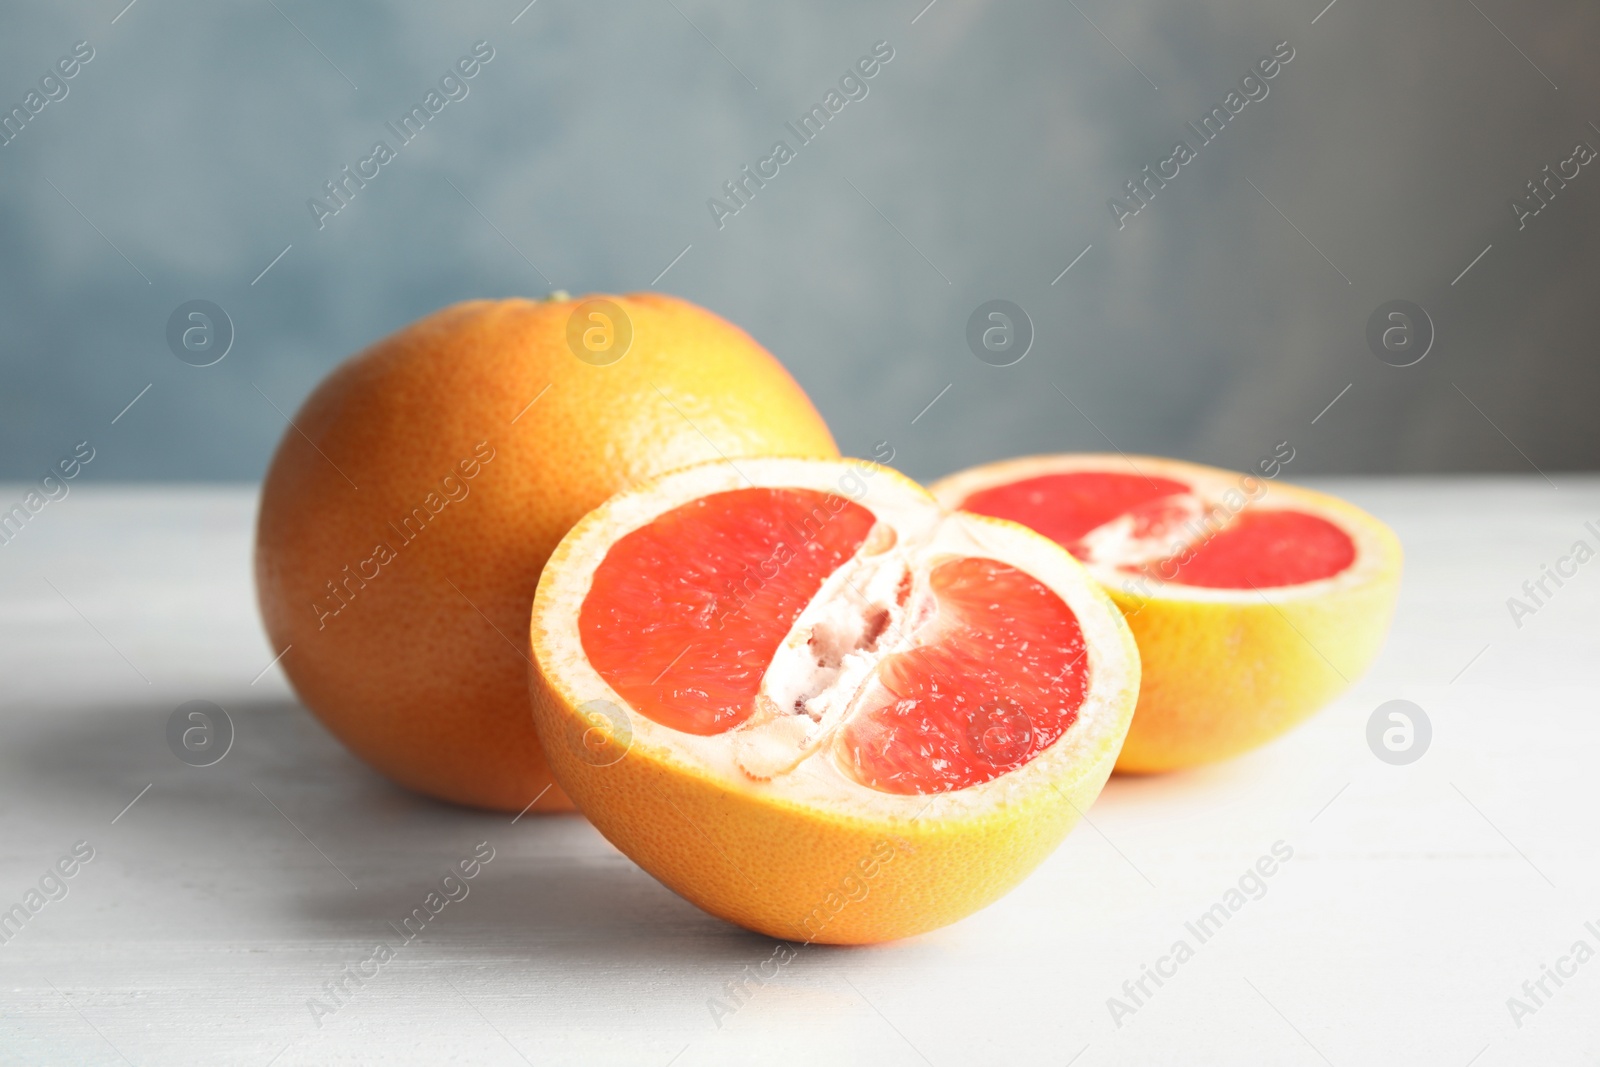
(1219,321)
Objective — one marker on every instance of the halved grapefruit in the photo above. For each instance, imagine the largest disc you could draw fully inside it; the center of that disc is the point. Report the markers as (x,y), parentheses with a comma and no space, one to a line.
(1253,602)
(815,703)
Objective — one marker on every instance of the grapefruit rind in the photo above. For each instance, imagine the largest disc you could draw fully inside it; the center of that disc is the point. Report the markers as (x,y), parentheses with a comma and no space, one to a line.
(1226,670)
(790,856)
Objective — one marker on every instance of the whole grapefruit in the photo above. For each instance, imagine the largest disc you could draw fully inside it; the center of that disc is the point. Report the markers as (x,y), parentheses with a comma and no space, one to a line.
(414,500)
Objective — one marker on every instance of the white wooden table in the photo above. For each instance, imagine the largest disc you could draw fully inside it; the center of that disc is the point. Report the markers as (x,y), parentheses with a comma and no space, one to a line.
(1418,900)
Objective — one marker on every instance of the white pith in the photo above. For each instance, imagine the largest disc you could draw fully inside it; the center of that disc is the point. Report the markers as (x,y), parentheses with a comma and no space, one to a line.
(857,618)
(824,667)
(1209,506)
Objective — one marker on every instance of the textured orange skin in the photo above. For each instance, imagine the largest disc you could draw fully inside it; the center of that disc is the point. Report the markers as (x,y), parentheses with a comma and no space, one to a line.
(426,683)
(793,873)
(1219,679)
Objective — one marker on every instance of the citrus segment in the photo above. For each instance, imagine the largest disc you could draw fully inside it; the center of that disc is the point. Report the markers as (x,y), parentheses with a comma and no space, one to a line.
(739,566)
(1262,549)
(1066,506)
(950,712)
(815,703)
(1253,602)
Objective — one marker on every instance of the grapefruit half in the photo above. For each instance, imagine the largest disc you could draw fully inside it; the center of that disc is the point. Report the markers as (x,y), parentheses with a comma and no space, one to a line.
(815,703)
(1253,602)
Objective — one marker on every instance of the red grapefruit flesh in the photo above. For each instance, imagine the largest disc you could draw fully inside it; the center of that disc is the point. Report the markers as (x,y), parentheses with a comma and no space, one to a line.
(685,615)
(949,712)
(700,571)
(1264,549)
(1255,549)
(1066,506)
